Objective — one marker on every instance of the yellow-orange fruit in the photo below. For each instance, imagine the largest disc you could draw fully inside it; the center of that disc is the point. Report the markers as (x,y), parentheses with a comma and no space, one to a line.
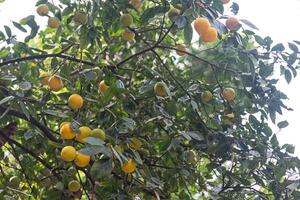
(232,23)
(180,48)
(55,83)
(126,20)
(53,22)
(44,78)
(102,87)
(128,35)
(136,3)
(225,1)
(68,153)
(82,160)
(129,166)
(206,96)
(229,94)
(63,123)
(201,25)
(98,133)
(67,132)
(42,10)
(80,18)
(173,13)
(84,133)
(210,35)
(75,101)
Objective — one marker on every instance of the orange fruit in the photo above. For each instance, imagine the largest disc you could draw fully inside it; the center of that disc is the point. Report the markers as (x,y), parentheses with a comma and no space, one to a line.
(103,87)
(98,133)
(63,123)
(84,133)
(206,96)
(67,132)
(68,153)
(129,166)
(160,90)
(82,160)
(232,23)
(181,48)
(126,20)
(128,35)
(53,22)
(80,18)
(44,78)
(225,1)
(201,25)
(136,3)
(75,101)
(42,10)
(229,94)
(55,83)
(210,35)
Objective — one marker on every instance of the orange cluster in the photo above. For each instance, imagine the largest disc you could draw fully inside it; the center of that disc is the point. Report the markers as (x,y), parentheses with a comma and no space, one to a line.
(205,31)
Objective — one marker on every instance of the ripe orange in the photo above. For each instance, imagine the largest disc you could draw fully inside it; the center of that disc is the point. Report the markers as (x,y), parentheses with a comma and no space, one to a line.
(180,47)
(232,23)
(201,25)
(136,3)
(103,87)
(63,123)
(44,78)
(82,160)
(42,10)
(128,35)
(84,133)
(53,22)
(129,166)
(75,101)
(67,132)
(210,35)
(68,153)
(229,94)
(226,1)
(55,83)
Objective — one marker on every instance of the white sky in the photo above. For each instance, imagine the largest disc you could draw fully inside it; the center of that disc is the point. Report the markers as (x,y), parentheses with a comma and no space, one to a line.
(276,18)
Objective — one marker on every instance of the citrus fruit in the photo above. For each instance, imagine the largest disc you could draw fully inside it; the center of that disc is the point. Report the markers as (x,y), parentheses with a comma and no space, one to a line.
(75,101)
(103,87)
(82,160)
(84,133)
(44,78)
(42,10)
(232,23)
(206,96)
(55,83)
(74,186)
(210,35)
(136,3)
(201,25)
(128,35)
(181,48)
(126,20)
(80,18)
(135,143)
(229,94)
(173,13)
(68,153)
(160,90)
(67,132)
(53,22)
(129,166)
(98,133)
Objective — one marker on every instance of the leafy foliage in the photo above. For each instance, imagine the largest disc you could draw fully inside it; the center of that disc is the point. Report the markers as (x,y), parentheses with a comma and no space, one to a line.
(184,148)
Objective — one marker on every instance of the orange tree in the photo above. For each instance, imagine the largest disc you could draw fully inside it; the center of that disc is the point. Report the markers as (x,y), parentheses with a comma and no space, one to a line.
(152,99)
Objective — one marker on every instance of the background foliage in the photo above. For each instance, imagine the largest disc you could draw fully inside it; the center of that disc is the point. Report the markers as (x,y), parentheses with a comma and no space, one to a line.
(190,149)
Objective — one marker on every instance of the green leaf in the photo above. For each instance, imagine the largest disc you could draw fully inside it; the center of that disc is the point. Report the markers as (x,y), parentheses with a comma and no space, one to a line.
(19,26)
(101,169)
(282,124)
(7,30)
(288,76)
(278,47)
(188,33)
(94,150)
(6,99)
(293,47)
(94,141)
(56,113)
(151,13)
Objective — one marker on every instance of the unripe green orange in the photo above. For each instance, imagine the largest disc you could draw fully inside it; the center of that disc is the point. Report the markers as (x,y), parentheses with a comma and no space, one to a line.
(53,22)
(84,133)
(160,90)
(74,186)
(80,17)
(98,133)
(206,96)
(42,10)
(126,20)
(173,13)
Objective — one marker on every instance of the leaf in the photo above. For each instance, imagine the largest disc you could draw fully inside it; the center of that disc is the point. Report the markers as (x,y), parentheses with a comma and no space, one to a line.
(7,30)
(293,47)
(278,47)
(195,135)
(6,99)
(188,33)
(282,124)
(151,13)
(19,26)
(25,85)
(288,76)
(56,113)
(94,141)
(248,23)
(180,21)
(94,150)
(101,169)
